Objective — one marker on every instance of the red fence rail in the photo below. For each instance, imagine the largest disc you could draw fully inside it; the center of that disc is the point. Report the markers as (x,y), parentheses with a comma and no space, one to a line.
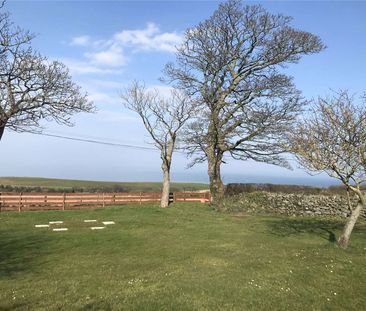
(202,197)
(28,201)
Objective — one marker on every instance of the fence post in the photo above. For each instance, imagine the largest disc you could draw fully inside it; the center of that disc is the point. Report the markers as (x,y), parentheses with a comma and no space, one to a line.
(171,197)
(20,203)
(103,199)
(63,201)
(140,197)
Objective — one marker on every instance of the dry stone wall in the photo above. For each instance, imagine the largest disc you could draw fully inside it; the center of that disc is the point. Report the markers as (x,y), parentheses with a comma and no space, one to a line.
(309,205)
(291,204)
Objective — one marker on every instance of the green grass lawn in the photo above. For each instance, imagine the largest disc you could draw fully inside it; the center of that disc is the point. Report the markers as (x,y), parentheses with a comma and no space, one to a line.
(53,183)
(187,257)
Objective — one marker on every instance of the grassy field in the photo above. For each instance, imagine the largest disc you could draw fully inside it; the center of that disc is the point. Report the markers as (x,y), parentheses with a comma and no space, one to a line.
(69,184)
(187,257)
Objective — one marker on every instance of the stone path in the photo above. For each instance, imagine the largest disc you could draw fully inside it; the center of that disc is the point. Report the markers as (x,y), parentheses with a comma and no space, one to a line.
(58,222)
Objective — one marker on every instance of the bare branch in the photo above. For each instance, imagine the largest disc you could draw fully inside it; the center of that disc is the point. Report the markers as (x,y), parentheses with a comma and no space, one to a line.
(333,139)
(163,118)
(230,63)
(32,88)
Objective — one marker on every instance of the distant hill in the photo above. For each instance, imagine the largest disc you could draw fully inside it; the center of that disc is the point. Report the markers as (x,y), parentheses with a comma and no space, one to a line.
(68,185)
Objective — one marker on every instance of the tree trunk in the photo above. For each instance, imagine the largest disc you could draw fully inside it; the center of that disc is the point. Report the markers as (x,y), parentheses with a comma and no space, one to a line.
(2,128)
(344,238)
(166,188)
(166,157)
(214,174)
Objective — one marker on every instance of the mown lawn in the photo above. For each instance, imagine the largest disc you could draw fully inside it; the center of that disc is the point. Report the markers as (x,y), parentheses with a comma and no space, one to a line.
(187,257)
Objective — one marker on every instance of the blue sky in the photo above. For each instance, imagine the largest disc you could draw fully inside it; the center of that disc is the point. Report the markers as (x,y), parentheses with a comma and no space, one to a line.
(108,44)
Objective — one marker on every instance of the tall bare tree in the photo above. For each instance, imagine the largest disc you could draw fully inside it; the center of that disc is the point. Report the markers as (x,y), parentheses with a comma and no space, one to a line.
(163,118)
(232,64)
(33,88)
(332,139)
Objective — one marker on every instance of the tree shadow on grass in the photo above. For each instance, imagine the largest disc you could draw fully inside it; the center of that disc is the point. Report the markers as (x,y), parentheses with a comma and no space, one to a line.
(21,252)
(16,306)
(99,305)
(296,226)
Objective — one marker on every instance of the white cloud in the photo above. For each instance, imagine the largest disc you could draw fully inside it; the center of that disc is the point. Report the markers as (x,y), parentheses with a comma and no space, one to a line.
(101,98)
(112,57)
(164,91)
(87,67)
(149,38)
(81,40)
(111,53)
(109,84)
(136,36)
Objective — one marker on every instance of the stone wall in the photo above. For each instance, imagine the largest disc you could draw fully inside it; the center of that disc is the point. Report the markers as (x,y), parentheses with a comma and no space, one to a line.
(290,204)
(309,205)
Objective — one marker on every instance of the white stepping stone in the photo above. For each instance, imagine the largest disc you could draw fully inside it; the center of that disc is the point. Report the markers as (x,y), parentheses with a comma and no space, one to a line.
(55,222)
(60,229)
(90,220)
(97,228)
(42,226)
(108,223)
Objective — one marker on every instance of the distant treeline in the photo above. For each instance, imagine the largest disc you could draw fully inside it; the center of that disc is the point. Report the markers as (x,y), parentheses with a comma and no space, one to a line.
(232,189)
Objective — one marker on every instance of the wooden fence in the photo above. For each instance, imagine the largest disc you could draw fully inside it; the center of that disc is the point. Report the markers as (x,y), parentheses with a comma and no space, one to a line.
(29,201)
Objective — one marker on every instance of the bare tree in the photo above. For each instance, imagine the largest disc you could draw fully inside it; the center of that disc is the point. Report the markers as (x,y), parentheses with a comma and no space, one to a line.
(232,64)
(163,118)
(32,88)
(332,139)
